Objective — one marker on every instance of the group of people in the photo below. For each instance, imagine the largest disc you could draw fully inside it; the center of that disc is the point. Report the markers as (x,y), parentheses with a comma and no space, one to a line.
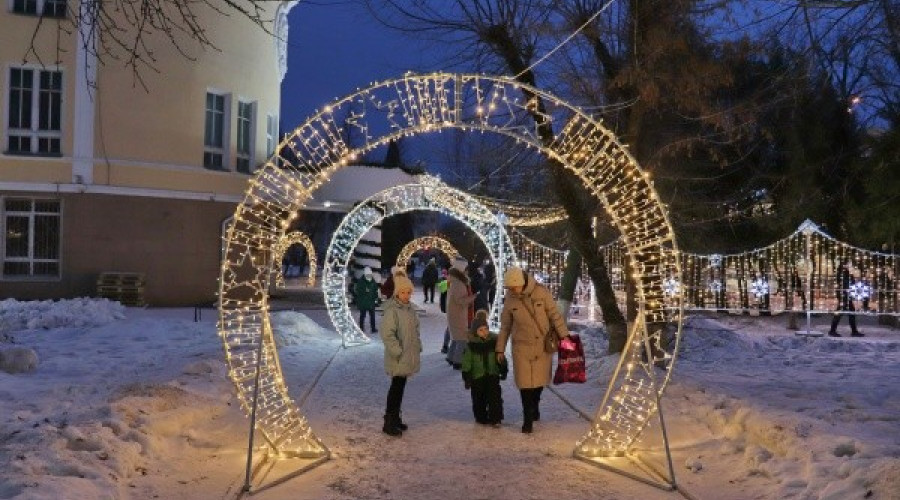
(528,316)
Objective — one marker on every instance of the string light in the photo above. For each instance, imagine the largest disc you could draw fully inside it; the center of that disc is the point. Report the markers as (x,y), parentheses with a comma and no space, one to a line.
(416,104)
(281,248)
(426,243)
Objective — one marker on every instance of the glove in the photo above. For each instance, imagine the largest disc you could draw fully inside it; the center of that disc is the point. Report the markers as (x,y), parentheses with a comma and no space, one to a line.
(504,370)
(567,344)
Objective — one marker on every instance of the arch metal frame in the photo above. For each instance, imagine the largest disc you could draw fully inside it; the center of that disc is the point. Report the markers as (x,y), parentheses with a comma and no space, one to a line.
(288,240)
(427,194)
(428,103)
(426,242)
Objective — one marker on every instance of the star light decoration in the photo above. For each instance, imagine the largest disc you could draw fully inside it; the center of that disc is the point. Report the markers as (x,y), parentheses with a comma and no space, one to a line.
(860,290)
(425,243)
(288,240)
(759,288)
(672,287)
(429,103)
(426,194)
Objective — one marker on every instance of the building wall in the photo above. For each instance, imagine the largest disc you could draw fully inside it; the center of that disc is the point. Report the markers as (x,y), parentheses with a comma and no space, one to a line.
(175,243)
(135,195)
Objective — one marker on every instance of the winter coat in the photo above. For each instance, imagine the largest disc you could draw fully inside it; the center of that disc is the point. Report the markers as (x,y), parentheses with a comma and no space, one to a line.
(459,301)
(366,293)
(430,275)
(387,288)
(400,335)
(479,358)
(530,364)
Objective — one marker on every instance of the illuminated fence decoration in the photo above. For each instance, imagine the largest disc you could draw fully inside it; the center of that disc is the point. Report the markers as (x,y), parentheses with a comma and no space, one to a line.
(281,248)
(417,104)
(428,194)
(425,243)
(797,273)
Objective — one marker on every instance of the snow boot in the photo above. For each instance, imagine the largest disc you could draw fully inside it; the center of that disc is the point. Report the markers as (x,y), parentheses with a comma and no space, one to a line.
(390,426)
(400,424)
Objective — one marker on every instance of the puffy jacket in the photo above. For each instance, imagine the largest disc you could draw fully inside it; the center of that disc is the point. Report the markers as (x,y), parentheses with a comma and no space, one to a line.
(530,364)
(479,358)
(400,335)
(366,293)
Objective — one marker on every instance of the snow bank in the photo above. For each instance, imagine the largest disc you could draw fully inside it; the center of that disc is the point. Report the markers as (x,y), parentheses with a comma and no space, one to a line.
(77,313)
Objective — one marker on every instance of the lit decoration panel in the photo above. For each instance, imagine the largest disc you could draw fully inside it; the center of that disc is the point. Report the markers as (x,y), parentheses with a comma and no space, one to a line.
(428,194)
(426,243)
(286,241)
(428,103)
(797,273)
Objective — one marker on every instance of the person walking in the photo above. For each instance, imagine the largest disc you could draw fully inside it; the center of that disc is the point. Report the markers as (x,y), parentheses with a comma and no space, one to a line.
(442,288)
(529,314)
(402,350)
(429,280)
(843,280)
(366,293)
(482,372)
(459,311)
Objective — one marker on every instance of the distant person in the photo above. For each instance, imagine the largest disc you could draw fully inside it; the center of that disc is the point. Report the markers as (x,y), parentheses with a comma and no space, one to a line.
(843,280)
(402,350)
(459,312)
(529,314)
(476,282)
(411,268)
(442,288)
(482,372)
(490,282)
(429,280)
(366,293)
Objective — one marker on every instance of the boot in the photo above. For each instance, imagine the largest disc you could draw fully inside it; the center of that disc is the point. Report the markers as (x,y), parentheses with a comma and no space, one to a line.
(527,411)
(390,426)
(400,424)
(535,404)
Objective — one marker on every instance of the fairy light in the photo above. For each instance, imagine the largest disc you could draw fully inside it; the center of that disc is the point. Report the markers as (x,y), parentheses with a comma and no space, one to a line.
(428,193)
(426,243)
(416,104)
(281,248)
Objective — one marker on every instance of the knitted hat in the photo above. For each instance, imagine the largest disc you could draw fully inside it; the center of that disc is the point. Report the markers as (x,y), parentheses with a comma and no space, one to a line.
(513,277)
(479,321)
(398,270)
(402,283)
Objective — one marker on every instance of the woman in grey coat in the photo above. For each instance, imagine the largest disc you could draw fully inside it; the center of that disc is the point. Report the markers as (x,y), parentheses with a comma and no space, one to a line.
(402,350)
(459,312)
(529,315)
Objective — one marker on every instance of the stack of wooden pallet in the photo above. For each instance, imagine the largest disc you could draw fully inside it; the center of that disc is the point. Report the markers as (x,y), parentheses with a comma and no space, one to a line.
(127,288)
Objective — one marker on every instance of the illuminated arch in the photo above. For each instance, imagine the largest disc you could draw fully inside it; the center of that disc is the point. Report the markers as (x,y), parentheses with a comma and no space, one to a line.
(427,194)
(417,104)
(286,241)
(435,242)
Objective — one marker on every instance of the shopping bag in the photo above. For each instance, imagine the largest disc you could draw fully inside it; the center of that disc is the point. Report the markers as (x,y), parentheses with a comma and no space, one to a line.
(570,366)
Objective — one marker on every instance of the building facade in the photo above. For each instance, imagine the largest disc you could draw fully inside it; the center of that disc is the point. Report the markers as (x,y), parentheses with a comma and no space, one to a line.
(104,167)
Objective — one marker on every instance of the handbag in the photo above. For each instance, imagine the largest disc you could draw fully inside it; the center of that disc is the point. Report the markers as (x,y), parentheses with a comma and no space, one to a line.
(551,341)
(570,366)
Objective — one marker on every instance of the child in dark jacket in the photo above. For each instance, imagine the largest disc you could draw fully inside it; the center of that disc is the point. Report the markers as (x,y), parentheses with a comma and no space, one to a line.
(482,373)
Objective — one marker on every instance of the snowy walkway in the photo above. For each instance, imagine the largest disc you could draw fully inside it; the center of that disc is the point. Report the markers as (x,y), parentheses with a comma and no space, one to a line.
(140,408)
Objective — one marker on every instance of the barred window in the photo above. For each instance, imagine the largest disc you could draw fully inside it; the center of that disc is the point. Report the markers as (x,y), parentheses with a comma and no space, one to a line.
(31,237)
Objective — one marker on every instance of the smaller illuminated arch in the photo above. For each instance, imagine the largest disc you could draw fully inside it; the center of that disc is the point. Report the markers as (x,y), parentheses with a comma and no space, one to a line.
(427,194)
(425,242)
(282,246)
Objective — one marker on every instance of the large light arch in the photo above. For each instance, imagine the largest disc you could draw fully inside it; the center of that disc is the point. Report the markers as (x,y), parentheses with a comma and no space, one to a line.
(286,241)
(427,194)
(426,242)
(417,104)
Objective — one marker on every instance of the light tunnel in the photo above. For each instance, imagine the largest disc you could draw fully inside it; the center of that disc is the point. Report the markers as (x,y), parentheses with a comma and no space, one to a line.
(420,104)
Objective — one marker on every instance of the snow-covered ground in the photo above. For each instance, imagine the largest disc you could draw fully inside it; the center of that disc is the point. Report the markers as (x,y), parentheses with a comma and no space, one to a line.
(134,403)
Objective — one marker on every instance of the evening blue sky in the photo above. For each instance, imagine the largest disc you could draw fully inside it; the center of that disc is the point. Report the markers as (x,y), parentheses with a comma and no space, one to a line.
(335,48)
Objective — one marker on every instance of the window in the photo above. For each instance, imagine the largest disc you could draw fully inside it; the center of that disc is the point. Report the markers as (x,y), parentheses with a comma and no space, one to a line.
(46,8)
(245,134)
(34,113)
(31,237)
(215,133)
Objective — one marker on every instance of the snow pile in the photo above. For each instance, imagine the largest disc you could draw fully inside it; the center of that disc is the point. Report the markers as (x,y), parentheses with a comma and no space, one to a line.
(77,313)
(17,359)
(294,328)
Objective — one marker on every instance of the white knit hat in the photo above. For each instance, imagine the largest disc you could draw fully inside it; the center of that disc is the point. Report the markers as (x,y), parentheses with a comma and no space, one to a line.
(513,277)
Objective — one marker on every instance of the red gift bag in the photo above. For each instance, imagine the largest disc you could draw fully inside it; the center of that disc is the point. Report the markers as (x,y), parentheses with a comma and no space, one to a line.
(570,367)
